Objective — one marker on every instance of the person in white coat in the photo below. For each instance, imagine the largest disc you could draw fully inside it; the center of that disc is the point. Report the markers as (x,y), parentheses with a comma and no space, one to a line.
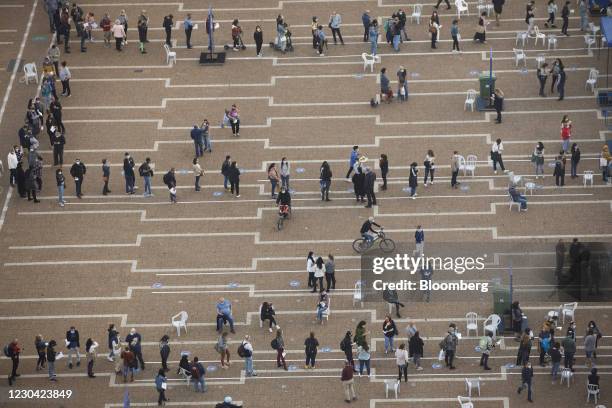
(401,359)
(497,148)
(12,161)
(310,264)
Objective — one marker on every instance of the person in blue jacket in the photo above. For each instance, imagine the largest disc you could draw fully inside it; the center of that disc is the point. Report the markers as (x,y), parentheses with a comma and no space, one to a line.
(352,160)
(161,385)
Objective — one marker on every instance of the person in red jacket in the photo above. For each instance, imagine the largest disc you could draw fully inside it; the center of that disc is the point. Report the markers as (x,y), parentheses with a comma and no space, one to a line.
(13,352)
(106,25)
(348,382)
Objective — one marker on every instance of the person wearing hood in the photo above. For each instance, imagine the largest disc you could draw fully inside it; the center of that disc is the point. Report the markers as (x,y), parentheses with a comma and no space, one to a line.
(413,180)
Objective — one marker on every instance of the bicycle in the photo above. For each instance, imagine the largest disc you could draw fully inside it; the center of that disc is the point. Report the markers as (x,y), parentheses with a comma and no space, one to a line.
(284,212)
(361,245)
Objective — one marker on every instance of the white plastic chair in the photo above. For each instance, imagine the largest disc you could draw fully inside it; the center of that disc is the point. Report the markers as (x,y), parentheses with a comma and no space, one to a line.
(469,166)
(519,55)
(592,81)
(170,55)
(483,6)
(568,309)
(589,40)
(587,177)
(180,320)
(30,72)
(472,383)
(185,375)
(462,7)
(393,385)
(472,322)
(530,187)
(470,100)
(493,319)
(357,294)
(552,41)
(465,402)
(567,375)
(540,59)
(512,203)
(416,13)
(521,37)
(539,36)
(369,60)
(593,390)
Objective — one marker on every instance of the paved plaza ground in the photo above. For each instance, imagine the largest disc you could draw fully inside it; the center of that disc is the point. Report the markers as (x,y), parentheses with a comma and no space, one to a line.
(136,261)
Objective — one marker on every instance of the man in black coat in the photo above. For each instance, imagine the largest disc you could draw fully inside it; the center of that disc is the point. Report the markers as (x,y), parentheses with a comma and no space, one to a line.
(368,186)
(128,172)
(77,171)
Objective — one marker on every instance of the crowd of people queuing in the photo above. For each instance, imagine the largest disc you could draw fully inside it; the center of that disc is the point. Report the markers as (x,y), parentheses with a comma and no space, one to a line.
(44,114)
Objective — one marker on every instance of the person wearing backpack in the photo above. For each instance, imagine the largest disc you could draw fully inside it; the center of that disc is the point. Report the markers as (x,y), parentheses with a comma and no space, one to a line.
(346,345)
(486,345)
(310,347)
(197,375)
(129,361)
(415,349)
(234,178)
(389,331)
(449,345)
(170,181)
(146,172)
(278,344)
(245,350)
(12,351)
(164,351)
(161,385)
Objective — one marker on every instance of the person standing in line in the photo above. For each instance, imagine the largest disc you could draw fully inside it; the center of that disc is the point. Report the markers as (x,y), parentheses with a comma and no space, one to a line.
(330,276)
(373,36)
(402,84)
(384,169)
(486,345)
(90,352)
(358,185)
(434,26)
(352,160)
(285,172)
(335,20)
(419,237)
(14,350)
(498,6)
(58,148)
(363,355)
(61,184)
(321,40)
(310,348)
(497,150)
(348,383)
(258,38)
(198,140)
(118,32)
(401,359)
(222,348)
(537,158)
(64,29)
(65,77)
(449,345)
(498,104)
(454,31)
(51,355)
(197,375)
(247,348)
(365,20)
(54,54)
(583,9)
(589,348)
(280,349)
(413,180)
(113,336)
(526,377)
(369,183)
(143,27)
(123,21)
(559,171)
(415,347)
(274,178)
(561,83)
(234,178)
(106,25)
(542,76)
(575,159)
(167,24)
(566,133)
(319,273)
(197,172)
(555,356)
(401,15)
(129,363)
(161,385)
(188,26)
(146,172)
(325,181)
(310,268)
(430,167)
(105,176)
(389,332)
(128,172)
(72,344)
(12,162)
(164,351)
(225,171)
(455,169)
(41,350)
(565,12)
(134,340)
(604,163)
(346,345)
(234,119)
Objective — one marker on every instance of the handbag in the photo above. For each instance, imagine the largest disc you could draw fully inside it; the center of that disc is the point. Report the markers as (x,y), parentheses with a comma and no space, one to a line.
(432,29)
(603,162)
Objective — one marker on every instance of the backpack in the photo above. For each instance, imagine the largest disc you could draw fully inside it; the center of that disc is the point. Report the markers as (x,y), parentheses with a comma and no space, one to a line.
(167,178)
(274,344)
(7,351)
(242,351)
(141,170)
(195,373)
(343,345)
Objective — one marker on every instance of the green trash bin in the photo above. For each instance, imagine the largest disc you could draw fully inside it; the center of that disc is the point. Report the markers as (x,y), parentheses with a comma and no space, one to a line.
(484,79)
(501,300)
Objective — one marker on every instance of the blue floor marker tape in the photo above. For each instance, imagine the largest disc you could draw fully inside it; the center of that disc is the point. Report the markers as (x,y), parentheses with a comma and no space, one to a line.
(233,285)
(156,285)
(326,349)
(436,366)
(300,170)
(217,194)
(294,284)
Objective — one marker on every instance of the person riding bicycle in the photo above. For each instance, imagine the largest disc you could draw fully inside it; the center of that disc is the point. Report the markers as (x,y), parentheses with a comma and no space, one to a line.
(283,199)
(367,232)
